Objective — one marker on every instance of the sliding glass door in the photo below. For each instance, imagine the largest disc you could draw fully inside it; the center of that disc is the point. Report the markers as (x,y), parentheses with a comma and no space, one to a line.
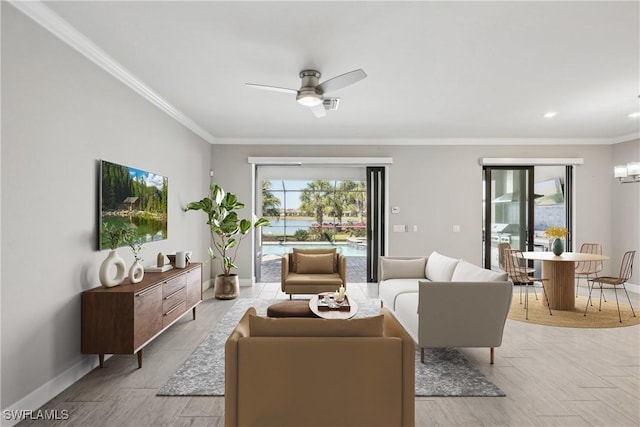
(508,210)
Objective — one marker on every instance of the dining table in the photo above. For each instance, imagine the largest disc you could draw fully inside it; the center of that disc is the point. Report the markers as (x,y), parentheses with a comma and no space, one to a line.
(559,271)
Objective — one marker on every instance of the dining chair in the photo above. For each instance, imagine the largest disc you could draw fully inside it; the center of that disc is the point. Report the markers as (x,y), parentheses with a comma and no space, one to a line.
(517,271)
(585,269)
(502,255)
(626,269)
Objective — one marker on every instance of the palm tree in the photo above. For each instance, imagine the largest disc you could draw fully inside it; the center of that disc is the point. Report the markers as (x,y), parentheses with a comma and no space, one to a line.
(316,199)
(353,196)
(270,203)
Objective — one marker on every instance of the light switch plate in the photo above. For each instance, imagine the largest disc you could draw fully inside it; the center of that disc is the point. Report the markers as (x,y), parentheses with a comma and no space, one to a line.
(456,228)
(399,228)
(395,209)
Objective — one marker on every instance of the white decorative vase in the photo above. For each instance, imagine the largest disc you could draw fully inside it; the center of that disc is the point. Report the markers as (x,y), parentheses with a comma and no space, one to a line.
(112,261)
(136,272)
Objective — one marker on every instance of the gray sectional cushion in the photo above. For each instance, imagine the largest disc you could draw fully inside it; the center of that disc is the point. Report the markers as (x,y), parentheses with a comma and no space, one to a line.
(388,290)
(440,268)
(467,272)
(402,268)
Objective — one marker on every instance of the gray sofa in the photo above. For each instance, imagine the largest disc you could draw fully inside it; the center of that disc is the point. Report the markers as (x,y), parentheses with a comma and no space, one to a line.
(446,302)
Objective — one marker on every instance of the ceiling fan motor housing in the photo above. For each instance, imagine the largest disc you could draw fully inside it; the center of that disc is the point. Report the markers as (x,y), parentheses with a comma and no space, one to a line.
(308,95)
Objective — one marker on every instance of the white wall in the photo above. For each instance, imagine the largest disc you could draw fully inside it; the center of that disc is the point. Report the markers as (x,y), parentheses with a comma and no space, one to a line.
(625,205)
(439,186)
(60,115)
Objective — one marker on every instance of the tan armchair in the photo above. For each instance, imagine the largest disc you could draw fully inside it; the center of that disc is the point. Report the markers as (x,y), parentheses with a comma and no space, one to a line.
(311,271)
(319,372)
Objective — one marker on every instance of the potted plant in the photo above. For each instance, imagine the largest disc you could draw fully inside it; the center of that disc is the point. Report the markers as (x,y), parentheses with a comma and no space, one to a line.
(115,236)
(557,233)
(227,231)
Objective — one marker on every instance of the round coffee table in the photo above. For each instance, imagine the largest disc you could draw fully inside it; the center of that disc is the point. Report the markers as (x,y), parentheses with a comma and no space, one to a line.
(334,313)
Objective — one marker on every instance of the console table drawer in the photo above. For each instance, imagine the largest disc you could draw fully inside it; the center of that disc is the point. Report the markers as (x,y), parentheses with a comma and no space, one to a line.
(173,313)
(172,285)
(171,300)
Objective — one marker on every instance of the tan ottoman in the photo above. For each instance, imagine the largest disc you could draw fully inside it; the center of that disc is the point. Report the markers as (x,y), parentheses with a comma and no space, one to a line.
(290,309)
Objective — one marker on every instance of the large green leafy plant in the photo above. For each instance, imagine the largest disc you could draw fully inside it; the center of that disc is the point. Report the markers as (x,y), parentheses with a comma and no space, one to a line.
(227,230)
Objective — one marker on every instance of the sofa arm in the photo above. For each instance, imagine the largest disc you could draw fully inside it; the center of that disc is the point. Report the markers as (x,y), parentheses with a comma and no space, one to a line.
(342,269)
(392,328)
(462,314)
(284,267)
(231,368)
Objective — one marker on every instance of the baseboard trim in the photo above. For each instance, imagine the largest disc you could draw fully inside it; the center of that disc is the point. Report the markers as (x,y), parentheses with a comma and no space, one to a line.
(631,287)
(37,398)
(53,387)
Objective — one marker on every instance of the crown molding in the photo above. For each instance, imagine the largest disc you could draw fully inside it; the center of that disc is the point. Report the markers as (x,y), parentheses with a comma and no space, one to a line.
(625,138)
(413,141)
(60,28)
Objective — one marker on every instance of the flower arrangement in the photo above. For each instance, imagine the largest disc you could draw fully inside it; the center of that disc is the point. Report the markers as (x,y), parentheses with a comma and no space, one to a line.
(556,232)
(136,247)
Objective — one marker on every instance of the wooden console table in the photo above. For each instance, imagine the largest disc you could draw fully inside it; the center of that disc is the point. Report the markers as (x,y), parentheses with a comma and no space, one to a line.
(125,318)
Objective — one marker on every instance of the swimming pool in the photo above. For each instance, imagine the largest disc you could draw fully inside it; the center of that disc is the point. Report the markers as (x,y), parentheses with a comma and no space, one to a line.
(283,248)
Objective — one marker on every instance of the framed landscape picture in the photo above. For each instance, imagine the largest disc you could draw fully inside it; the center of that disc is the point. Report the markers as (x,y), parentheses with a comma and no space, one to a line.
(130,196)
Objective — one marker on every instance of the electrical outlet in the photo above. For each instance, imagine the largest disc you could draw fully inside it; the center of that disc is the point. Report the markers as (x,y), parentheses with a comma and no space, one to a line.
(456,228)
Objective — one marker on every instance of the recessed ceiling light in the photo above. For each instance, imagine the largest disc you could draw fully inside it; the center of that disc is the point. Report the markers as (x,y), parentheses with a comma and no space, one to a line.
(549,114)
(634,115)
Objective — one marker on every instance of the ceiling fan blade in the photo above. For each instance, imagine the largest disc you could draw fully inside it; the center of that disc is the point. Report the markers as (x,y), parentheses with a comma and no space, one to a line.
(319,110)
(341,81)
(273,88)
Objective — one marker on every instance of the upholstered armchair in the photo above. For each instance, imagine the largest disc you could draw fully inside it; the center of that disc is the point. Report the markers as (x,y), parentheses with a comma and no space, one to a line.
(291,372)
(311,271)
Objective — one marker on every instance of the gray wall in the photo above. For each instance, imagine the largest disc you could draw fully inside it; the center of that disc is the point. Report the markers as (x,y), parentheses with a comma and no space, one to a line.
(625,206)
(439,186)
(60,115)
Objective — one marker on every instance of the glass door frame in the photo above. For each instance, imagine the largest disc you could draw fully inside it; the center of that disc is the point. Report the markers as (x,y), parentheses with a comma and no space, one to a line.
(488,220)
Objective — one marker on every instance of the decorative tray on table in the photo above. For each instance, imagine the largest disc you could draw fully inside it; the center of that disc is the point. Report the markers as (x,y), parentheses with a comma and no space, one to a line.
(327,303)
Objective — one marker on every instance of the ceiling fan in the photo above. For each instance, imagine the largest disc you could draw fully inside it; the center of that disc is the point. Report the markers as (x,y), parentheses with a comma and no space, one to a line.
(311,92)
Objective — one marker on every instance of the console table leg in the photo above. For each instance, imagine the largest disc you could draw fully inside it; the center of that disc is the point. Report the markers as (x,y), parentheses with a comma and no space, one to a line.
(101,359)
(491,356)
(194,313)
(140,359)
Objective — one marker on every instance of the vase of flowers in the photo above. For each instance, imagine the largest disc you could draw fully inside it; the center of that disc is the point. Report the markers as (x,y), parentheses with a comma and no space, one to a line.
(136,271)
(557,234)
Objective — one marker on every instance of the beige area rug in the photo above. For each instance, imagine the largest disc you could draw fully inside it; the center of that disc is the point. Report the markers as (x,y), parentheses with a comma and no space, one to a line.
(607,318)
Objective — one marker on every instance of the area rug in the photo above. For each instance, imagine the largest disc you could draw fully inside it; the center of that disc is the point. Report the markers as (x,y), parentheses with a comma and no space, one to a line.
(446,372)
(607,318)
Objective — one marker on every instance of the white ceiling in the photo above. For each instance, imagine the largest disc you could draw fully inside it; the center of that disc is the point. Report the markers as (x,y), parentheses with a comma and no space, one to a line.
(437,71)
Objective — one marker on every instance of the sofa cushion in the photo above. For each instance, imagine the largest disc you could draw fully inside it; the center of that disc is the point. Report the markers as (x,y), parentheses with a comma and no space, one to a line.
(402,268)
(388,290)
(467,272)
(294,262)
(332,279)
(440,268)
(315,263)
(301,327)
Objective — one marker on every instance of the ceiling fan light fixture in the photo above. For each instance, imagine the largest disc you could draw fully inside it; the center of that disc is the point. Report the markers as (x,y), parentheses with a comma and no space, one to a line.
(309,98)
